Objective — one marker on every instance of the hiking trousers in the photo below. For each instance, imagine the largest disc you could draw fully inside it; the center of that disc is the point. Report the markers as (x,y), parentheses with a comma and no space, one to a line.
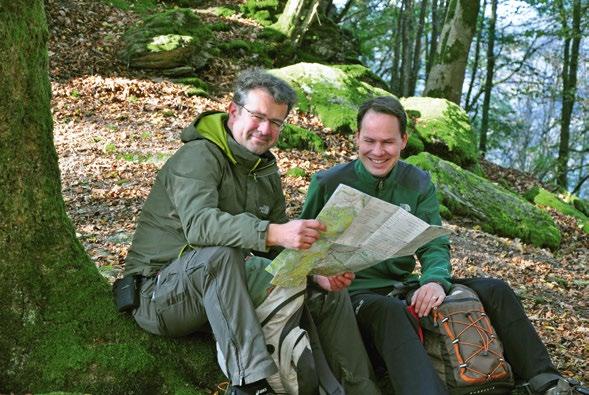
(210,285)
(392,340)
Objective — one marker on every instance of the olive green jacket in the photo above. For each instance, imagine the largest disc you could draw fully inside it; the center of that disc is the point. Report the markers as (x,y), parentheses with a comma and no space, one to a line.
(405,186)
(211,192)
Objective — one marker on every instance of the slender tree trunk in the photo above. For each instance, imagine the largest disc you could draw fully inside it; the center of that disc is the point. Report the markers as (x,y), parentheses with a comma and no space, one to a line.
(569,86)
(475,63)
(344,11)
(433,39)
(488,79)
(59,330)
(296,18)
(416,64)
(407,46)
(395,66)
(447,73)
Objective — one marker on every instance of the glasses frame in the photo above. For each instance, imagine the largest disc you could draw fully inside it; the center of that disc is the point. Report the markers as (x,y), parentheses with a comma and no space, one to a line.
(274,124)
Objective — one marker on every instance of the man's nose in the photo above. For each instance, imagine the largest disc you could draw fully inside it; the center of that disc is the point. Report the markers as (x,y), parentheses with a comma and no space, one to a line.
(265,126)
(377,149)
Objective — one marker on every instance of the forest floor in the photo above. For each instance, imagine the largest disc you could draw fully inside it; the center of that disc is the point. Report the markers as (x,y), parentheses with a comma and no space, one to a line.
(114,128)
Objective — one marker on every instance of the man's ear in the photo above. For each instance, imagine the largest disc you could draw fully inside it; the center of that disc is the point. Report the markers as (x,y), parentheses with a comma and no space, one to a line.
(232,109)
(405,138)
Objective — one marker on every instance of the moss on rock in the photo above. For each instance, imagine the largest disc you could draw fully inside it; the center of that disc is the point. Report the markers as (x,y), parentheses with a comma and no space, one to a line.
(167,40)
(494,208)
(329,92)
(445,130)
(543,198)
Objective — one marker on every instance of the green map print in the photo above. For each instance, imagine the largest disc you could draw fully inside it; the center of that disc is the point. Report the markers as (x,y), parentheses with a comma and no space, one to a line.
(291,267)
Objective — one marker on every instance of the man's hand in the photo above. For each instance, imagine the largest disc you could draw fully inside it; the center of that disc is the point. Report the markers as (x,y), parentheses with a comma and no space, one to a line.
(426,297)
(299,234)
(334,283)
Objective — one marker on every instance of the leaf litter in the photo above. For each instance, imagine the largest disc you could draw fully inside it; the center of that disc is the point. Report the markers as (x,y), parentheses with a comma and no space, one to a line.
(114,128)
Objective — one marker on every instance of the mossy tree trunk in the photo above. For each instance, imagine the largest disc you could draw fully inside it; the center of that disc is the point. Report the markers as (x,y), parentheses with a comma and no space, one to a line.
(296,18)
(447,73)
(59,330)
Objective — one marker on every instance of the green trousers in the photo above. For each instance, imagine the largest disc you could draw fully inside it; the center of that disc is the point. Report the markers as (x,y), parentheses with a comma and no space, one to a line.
(219,286)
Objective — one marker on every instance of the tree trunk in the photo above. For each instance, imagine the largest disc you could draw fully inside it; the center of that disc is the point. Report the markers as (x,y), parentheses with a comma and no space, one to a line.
(59,330)
(475,63)
(407,44)
(447,73)
(296,18)
(569,85)
(416,63)
(396,44)
(488,79)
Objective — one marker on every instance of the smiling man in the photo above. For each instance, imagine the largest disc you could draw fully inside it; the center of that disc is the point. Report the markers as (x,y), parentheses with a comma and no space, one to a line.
(385,321)
(216,201)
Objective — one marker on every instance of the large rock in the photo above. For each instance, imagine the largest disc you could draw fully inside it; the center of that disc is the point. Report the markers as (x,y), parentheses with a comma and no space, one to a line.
(543,198)
(495,209)
(444,128)
(333,93)
(172,40)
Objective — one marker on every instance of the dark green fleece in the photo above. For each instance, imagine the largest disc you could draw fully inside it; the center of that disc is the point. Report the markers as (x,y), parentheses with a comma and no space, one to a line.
(211,192)
(405,186)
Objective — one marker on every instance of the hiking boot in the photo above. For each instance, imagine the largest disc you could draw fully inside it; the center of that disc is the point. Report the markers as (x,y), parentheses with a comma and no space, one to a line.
(567,387)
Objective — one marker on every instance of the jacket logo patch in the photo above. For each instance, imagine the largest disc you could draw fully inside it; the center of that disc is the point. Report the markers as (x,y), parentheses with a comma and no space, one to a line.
(264,209)
(405,207)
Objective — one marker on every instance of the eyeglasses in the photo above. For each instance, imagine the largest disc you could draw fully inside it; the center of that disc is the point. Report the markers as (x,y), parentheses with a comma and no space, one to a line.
(275,124)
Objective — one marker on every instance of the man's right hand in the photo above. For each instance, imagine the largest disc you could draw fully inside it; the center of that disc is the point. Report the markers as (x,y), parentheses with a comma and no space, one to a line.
(299,234)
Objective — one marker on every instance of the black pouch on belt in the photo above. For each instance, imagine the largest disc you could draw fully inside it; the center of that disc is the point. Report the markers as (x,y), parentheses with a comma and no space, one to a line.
(126,293)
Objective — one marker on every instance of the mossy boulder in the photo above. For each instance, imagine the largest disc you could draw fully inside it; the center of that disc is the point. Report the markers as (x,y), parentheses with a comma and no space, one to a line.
(445,130)
(174,39)
(329,92)
(543,198)
(300,138)
(495,209)
(327,42)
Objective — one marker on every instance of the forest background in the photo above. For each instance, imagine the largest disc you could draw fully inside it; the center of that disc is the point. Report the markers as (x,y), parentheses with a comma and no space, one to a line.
(518,69)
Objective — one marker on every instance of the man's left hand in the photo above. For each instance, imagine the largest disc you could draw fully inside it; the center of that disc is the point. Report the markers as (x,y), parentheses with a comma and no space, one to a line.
(334,283)
(426,297)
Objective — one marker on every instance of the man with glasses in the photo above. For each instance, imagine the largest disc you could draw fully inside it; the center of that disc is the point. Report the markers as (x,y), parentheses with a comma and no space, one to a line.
(213,203)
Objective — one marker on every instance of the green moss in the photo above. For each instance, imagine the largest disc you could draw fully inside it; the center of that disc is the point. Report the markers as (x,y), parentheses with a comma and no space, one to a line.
(444,129)
(194,82)
(139,6)
(544,198)
(296,137)
(329,92)
(178,37)
(296,172)
(224,11)
(233,45)
(494,208)
(220,27)
(168,42)
(262,11)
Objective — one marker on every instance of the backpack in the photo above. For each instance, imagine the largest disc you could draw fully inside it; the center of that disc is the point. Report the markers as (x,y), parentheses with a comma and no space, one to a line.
(290,334)
(464,347)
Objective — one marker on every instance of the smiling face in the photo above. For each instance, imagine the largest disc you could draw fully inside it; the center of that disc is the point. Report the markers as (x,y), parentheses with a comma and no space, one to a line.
(254,123)
(380,142)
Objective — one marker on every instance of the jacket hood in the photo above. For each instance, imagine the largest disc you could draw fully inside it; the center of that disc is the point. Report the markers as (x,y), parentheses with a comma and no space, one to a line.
(209,125)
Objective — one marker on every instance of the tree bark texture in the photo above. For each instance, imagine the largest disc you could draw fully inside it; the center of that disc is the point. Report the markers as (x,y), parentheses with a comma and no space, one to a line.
(572,42)
(296,18)
(447,74)
(488,79)
(59,330)
(475,63)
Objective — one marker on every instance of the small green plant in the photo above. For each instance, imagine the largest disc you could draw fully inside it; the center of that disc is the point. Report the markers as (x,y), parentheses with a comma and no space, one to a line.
(145,135)
(112,127)
(110,148)
(133,99)
(75,94)
(296,172)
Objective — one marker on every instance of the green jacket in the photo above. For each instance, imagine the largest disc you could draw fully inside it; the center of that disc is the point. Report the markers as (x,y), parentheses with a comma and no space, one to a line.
(211,192)
(405,186)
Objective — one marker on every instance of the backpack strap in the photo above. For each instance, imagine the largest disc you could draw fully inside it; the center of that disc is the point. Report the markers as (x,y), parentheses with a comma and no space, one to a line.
(328,383)
(541,382)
